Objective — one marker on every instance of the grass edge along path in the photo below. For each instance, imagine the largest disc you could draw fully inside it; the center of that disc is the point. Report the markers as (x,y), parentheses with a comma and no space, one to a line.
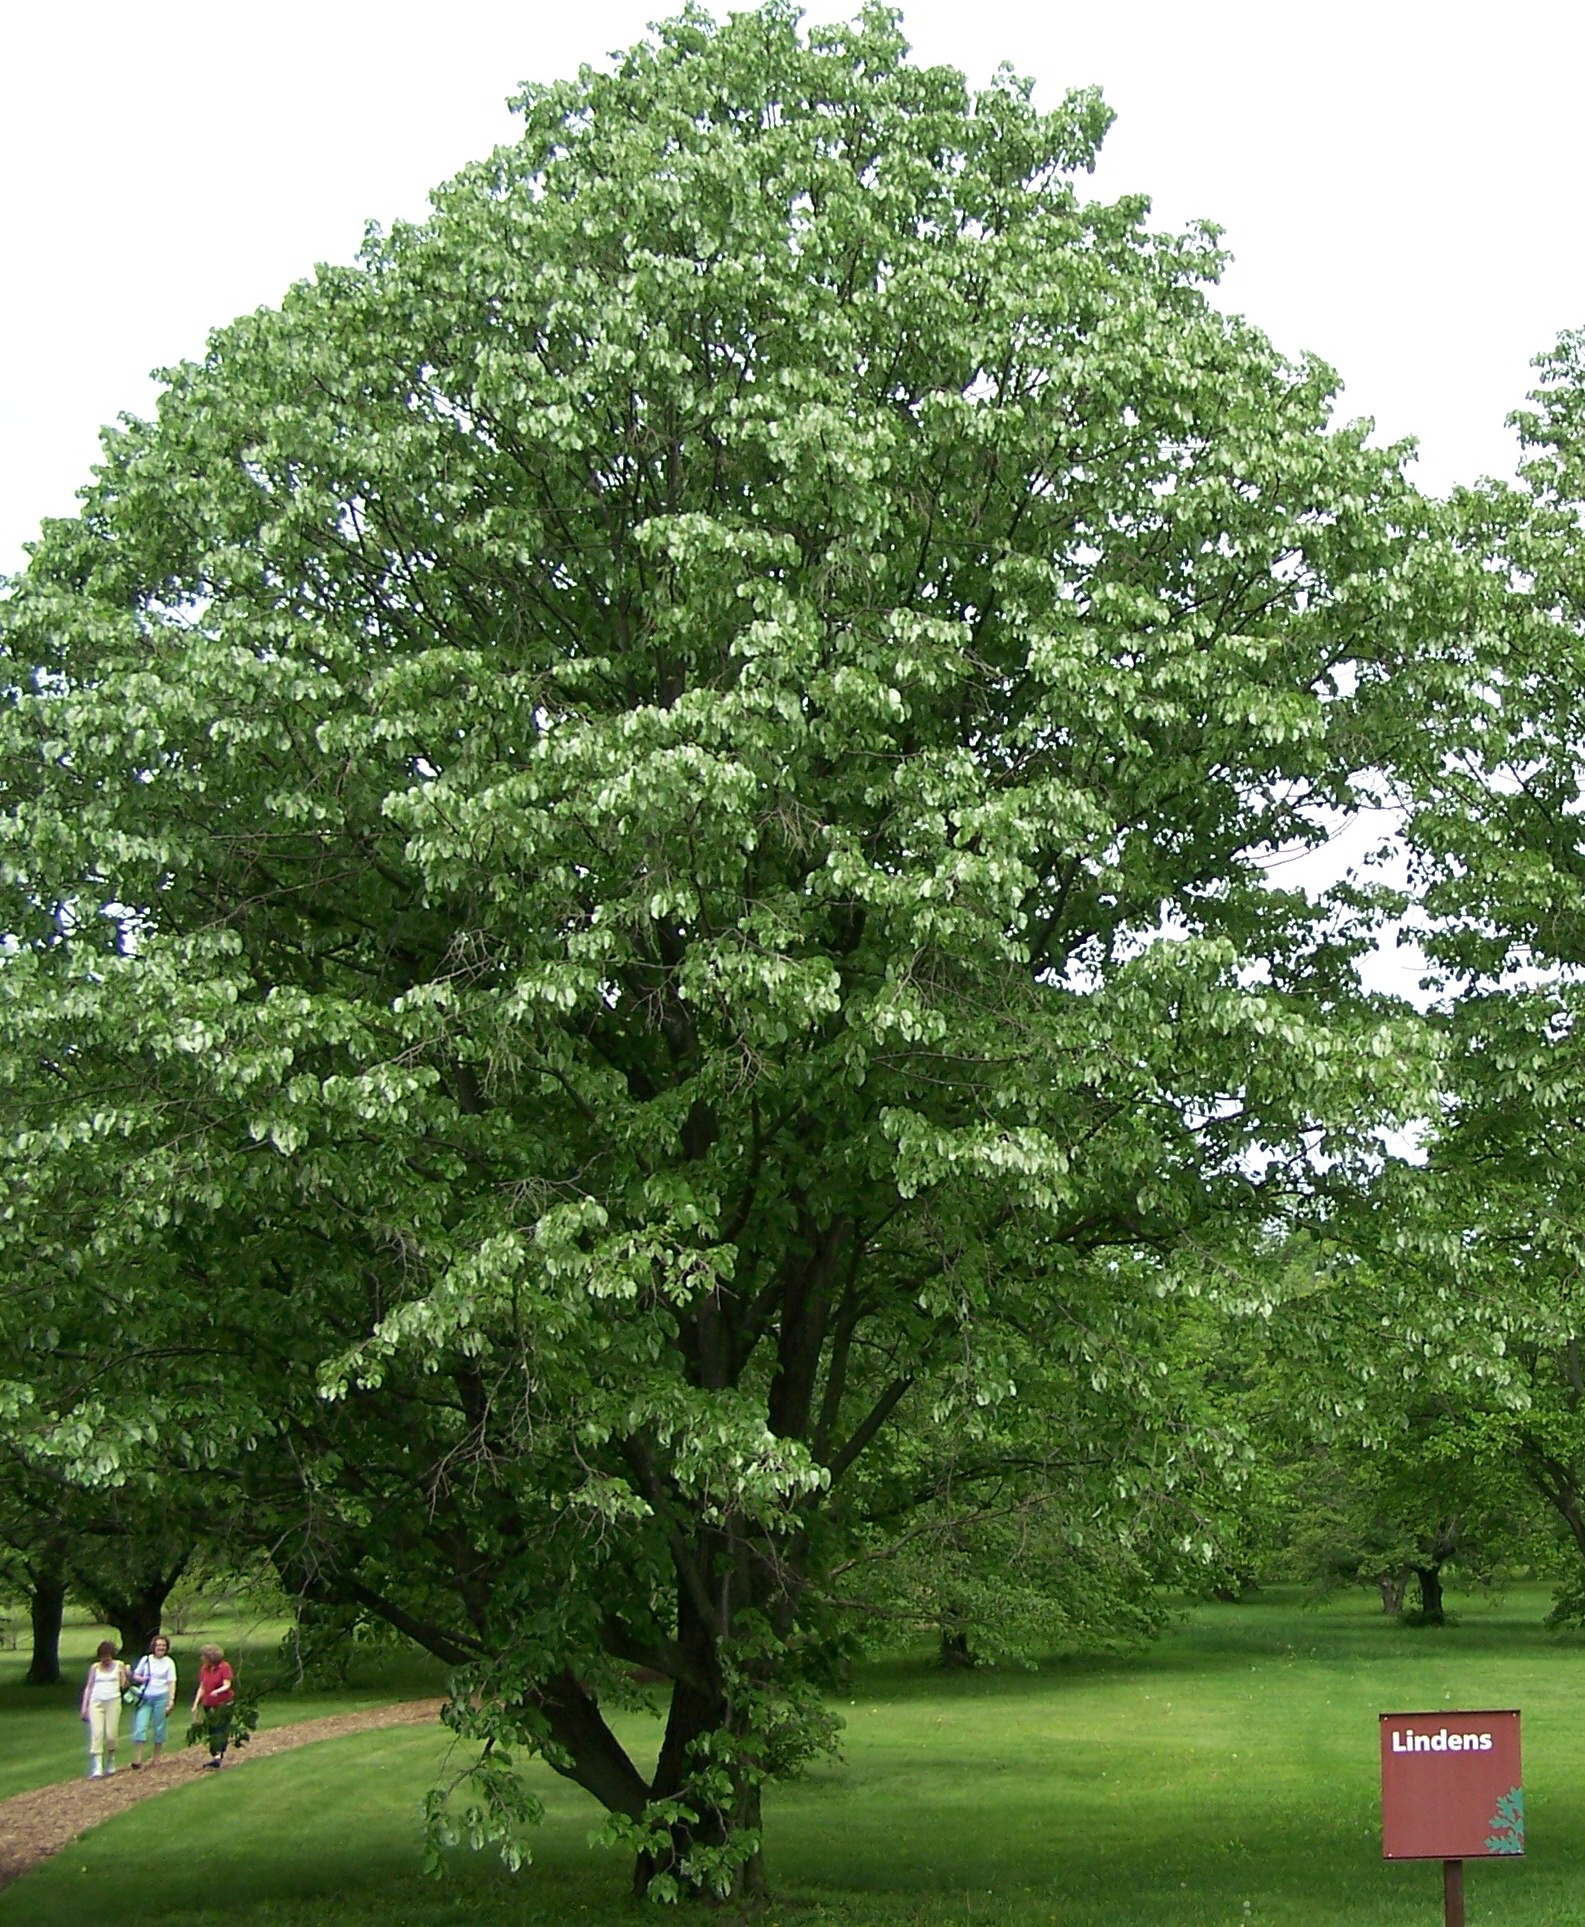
(38,1823)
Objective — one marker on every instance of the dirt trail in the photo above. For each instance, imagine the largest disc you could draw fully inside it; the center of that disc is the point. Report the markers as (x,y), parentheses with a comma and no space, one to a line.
(34,1825)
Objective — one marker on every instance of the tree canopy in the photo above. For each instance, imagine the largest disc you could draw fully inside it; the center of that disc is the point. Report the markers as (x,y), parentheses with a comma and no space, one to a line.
(638,846)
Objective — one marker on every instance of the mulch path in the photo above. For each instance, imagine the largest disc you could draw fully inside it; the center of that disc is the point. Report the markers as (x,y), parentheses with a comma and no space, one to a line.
(34,1825)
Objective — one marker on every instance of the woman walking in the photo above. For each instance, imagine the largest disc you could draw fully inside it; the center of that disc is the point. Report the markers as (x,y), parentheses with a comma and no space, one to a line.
(213,1701)
(155,1676)
(101,1707)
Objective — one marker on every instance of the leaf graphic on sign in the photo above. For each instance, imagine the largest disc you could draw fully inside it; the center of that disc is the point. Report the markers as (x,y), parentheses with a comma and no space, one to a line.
(1507,1824)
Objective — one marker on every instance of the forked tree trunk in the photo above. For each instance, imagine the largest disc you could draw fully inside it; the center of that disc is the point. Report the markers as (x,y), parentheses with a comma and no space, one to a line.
(1429,1579)
(137,1622)
(135,1605)
(1393,1586)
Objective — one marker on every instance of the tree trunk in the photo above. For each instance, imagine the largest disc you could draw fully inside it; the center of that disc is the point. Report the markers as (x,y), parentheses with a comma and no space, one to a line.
(740,1886)
(1429,1579)
(701,1706)
(955,1651)
(134,1605)
(1393,1586)
(137,1620)
(46,1608)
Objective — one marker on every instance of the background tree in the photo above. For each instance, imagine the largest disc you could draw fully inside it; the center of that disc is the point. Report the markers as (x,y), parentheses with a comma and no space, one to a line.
(1053,1520)
(33,1562)
(1501,1221)
(1394,1514)
(1372,1398)
(125,1561)
(636,838)
(1494,806)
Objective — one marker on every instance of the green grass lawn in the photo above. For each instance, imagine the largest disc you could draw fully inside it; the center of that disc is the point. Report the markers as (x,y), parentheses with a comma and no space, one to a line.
(41,1736)
(1227,1776)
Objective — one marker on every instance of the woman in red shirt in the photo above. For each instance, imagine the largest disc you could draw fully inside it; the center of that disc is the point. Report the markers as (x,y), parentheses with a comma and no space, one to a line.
(214,1700)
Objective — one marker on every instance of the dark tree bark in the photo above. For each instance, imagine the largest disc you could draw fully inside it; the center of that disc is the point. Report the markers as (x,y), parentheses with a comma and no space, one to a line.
(46,1609)
(132,1599)
(1429,1580)
(138,1620)
(694,1714)
(1435,1550)
(956,1653)
(701,1705)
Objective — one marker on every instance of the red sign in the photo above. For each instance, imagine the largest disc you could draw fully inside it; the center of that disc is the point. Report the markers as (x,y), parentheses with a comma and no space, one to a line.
(1451,1786)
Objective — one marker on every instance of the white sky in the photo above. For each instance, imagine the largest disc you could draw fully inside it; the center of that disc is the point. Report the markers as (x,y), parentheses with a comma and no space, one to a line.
(1400,181)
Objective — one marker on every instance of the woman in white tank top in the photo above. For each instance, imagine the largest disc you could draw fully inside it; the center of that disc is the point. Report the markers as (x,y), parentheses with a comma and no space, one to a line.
(101,1708)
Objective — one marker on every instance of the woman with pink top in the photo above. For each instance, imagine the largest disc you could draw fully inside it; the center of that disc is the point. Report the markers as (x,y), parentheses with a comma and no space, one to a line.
(214,1700)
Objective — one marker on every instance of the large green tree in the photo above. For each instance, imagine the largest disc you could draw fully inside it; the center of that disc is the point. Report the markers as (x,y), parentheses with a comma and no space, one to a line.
(637,845)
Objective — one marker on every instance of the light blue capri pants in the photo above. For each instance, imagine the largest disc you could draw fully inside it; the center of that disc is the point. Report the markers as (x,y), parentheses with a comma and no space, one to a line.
(151,1712)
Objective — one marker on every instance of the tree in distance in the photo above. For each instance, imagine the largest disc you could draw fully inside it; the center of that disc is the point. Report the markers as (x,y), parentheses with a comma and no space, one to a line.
(1490,1239)
(636,845)
(33,1548)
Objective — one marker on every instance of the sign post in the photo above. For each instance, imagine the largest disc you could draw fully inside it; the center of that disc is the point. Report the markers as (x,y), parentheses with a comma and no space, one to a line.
(1452,1893)
(1451,1790)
